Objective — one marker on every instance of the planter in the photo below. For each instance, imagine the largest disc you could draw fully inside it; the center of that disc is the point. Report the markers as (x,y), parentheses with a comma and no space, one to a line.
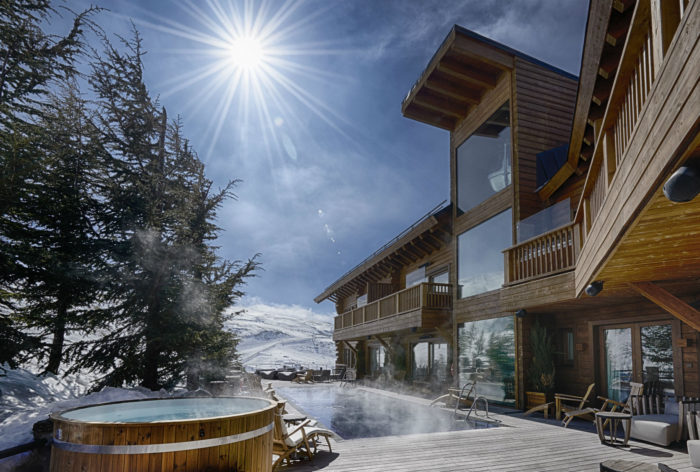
(533,399)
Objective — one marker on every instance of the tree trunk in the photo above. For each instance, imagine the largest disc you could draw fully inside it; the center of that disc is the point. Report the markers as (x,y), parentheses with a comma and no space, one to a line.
(59,334)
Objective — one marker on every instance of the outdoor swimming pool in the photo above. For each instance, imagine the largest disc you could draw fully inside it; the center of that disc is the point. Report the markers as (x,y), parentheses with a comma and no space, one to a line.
(356,413)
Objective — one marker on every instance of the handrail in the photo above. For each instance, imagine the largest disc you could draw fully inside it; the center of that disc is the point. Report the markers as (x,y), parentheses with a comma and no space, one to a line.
(424,295)
(547,254)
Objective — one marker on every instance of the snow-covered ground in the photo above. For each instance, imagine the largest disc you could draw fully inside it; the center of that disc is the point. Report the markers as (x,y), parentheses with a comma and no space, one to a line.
(278,335)
(270,335)
(26,398)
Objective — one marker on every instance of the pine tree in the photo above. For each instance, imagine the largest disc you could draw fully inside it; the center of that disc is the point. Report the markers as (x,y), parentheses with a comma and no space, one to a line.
(61,249)
(170,291)
(30,62)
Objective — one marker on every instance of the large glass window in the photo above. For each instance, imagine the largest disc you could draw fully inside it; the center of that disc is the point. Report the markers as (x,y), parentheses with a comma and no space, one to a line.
(415,277)
(484,161)
(480,257)
(487,356)
(544,221)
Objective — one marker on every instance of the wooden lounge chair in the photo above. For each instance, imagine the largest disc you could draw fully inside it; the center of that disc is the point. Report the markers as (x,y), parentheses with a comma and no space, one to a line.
(560,406)
(609,405)
(572,411)
(301,438)
(339,372)
(349,377)
(285,443)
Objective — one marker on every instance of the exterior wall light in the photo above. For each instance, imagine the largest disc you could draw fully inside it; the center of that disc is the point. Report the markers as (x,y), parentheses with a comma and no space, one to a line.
(521,313)
(594,288)
(683,185)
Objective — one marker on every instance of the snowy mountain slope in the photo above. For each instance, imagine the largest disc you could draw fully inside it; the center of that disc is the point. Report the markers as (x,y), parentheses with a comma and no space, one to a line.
(278,335)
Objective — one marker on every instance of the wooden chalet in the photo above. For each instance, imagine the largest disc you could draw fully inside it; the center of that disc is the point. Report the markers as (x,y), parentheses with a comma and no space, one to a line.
(398,297)
(558,212)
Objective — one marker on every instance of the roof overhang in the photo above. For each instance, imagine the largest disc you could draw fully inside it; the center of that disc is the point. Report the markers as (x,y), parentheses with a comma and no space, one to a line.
(427,235)
(463,69)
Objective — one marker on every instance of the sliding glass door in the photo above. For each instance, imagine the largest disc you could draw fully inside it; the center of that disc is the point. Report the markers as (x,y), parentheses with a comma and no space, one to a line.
(636,352)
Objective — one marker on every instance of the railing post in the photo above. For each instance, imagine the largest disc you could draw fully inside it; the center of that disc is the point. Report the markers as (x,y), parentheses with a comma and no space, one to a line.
(506,266)
(665,17)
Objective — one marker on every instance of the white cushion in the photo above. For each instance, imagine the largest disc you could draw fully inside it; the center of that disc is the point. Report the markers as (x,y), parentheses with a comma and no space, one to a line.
(694,452)
(657,429)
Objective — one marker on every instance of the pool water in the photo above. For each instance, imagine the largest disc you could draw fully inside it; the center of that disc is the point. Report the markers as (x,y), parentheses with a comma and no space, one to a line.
(356,413)
(151,411)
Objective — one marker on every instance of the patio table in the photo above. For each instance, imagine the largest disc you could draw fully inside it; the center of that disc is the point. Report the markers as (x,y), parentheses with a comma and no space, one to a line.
(614,418)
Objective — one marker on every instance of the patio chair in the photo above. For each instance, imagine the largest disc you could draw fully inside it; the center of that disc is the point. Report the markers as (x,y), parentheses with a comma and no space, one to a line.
(297,439)
(572,411)
(285,443)
(349,377)
(338,372)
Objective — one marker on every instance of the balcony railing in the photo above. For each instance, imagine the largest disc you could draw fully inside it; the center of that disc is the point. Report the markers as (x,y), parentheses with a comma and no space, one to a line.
(640,65)
(425,295)
(547,254)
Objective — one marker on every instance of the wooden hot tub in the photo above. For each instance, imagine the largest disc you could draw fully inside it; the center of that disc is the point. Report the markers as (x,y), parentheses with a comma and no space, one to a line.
(183,434)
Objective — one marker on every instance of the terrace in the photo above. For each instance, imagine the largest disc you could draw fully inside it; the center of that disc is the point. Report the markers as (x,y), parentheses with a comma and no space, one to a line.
(519,444)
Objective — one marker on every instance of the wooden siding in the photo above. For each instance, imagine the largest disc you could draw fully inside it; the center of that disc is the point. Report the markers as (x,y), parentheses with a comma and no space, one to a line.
(543,106)
(553,289)
(479,307)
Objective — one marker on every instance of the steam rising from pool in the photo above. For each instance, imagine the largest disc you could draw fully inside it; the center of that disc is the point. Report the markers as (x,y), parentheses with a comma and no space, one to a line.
(356,413)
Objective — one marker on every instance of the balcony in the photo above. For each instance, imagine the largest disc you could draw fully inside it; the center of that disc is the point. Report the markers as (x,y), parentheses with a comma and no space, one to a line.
(422,306)
(545,255)
(629,231)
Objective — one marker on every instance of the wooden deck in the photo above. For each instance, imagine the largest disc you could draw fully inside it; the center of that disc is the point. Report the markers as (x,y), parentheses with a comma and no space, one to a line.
(521,445)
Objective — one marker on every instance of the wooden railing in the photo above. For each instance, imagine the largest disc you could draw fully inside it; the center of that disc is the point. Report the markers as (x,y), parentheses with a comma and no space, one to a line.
(639,66)
(425,295)
(547,254)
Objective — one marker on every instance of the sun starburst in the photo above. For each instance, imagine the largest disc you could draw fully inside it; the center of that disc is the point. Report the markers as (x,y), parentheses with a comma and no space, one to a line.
(250,67)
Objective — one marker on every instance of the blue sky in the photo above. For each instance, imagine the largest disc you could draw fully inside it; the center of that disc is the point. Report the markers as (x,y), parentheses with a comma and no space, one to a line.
(330,169)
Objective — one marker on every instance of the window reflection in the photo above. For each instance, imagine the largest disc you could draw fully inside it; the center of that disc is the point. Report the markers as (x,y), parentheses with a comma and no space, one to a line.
(420,361)
(657,356)
(484,161)
(487,356)
(480,255)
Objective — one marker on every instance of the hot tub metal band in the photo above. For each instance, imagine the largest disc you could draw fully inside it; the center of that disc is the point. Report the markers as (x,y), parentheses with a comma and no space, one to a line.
(166,447)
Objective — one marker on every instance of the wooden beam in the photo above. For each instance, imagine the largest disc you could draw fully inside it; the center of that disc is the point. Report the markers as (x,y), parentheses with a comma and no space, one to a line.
(452,89)
(383,343)
(351,348)
(430,241)
(446,335)
(617,28)
(601,93)
(677,307)
(483,53)
(622,5)
(468,74)
(444,105)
